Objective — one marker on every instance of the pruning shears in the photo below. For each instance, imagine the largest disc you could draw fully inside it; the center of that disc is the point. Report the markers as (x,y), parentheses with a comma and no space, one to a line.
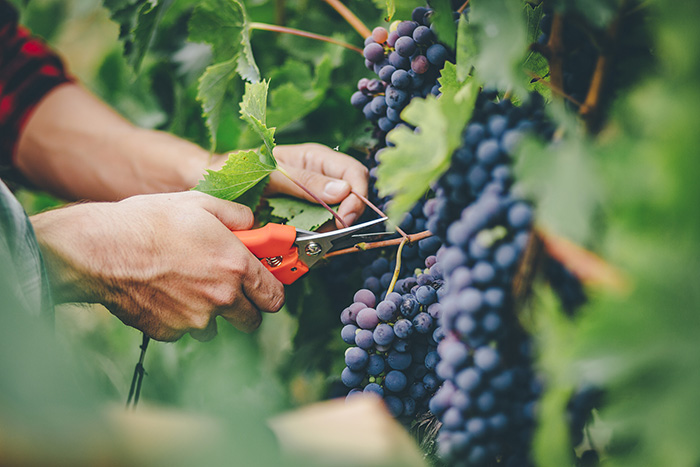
(288,252)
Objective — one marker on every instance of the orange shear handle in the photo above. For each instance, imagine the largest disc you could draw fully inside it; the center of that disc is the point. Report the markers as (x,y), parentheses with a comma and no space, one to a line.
(274,245)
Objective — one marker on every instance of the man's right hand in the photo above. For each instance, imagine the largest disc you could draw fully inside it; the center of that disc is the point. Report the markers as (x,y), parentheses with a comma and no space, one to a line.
(166,264)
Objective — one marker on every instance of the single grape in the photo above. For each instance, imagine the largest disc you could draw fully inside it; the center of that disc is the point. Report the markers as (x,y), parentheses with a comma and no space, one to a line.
(420,64)
(405,46)
(395,381)
(380,35)
(356,358)
(374,52)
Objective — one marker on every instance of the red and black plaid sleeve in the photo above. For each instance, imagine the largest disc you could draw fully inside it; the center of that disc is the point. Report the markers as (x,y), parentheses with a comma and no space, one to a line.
(28,70)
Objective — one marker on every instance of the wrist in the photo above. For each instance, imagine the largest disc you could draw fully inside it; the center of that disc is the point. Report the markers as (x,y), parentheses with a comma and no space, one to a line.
(67,237)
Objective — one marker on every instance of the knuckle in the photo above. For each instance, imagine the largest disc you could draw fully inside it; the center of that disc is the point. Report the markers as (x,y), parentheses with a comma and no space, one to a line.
(199,321)
(276,299)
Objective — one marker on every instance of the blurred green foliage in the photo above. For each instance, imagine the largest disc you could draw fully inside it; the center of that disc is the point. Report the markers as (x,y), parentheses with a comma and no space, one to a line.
(630,192)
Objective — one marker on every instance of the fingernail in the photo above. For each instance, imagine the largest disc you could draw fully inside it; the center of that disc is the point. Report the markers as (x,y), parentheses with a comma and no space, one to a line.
(350,218)
(336,188)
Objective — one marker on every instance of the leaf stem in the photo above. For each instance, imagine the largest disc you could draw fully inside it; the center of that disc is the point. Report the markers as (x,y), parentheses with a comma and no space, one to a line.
(316,198)
(298,32)
(397,268)
(464,5)
(377,210)
(350,17)
(381,244)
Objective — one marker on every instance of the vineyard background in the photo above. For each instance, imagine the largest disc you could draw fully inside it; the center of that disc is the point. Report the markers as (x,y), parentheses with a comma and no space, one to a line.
(627,192)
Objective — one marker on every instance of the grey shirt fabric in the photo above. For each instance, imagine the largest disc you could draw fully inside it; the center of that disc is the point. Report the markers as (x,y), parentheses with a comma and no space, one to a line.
(21,265)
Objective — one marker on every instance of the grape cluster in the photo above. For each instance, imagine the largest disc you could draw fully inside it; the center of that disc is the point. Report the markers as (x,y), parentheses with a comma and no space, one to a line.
(482,163)
(407,60)
(394,341)
(489,394)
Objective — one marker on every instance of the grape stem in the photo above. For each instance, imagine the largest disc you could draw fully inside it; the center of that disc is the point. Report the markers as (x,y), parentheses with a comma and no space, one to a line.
(590,109)
(298,32)
(588,267)
(397,268)
(380,244)
(316,198)
(378,211)
(350,17)
(464,5)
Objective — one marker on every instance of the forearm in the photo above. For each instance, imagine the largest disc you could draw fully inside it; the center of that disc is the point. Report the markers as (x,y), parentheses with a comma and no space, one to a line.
(76,147)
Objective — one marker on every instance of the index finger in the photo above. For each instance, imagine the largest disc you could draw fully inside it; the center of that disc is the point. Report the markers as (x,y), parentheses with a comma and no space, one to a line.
(342,166)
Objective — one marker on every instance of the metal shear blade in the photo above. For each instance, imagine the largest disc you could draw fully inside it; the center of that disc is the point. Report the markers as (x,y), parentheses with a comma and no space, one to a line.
(312,246)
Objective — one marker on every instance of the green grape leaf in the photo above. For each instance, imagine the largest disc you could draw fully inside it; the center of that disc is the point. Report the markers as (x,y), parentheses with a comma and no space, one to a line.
(566,204)
(390,9)
(243,170)
(534,62)
(253,112)
(247,67)
(212,89)
(419,158)
(500,36)
(553,332)
(219,23)
(292,100)
(466,48)
(444,22)
(138,21)
(147,22)
(224,25)
(299,213)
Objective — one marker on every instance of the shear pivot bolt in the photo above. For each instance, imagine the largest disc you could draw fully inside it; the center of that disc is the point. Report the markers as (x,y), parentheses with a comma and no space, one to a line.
(312,249)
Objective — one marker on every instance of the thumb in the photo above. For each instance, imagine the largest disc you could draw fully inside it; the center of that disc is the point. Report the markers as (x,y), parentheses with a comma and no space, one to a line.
(331,190)
(233,215)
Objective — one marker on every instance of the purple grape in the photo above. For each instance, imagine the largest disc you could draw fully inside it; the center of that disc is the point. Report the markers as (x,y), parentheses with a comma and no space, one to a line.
(383,334)
(365,296)
(374,52)
(348,333)
(367,318)
(405,46)
(356,358)
(395,381)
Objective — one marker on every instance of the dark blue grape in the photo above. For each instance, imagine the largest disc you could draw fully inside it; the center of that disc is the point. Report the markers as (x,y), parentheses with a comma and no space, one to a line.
(374,388)
(348,333)
(364,339)
(437,54)
(395,381)
(351,378)
(422,323)
(423,35)
(399,360)
(375,365)
(383,334)
(406,28)
(401,79)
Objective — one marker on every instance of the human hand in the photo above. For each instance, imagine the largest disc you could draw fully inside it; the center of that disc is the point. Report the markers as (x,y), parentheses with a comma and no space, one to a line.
(328,174)
(166,264)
